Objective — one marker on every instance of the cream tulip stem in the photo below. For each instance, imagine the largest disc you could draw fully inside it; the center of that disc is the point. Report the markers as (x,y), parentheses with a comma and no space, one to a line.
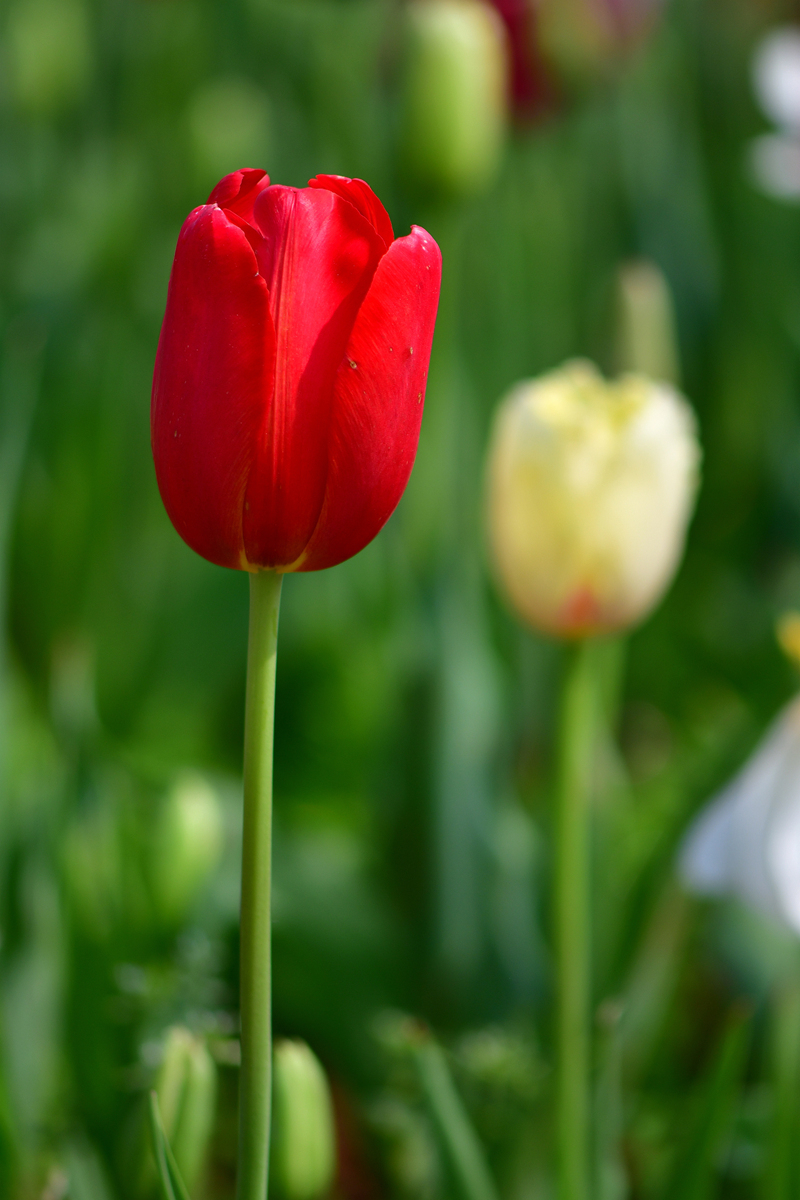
(572,926)
(255,983)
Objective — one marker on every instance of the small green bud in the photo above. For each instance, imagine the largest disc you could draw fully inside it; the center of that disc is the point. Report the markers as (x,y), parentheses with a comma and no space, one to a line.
(187,1092)
(49,54)
(586,40)
(187,845)
(647,343)
(303,1135)
(453,107)
(93,871)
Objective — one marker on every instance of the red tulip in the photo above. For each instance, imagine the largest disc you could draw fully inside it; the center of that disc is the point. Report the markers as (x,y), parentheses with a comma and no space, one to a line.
(291,371)
(530,84)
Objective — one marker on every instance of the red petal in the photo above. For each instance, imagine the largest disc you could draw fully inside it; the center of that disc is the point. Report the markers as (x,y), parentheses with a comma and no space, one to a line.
(239,191)
(213,378)
(318,259)
(365,200)
(380,388)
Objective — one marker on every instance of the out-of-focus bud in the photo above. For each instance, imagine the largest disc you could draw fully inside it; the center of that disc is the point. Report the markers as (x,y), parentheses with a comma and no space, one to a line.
(591,485)
(787,631)
(453,111)
(187,845)
(72,688)
(93,871)
(584,38)
(746,841)
(187,1093)
(303,1142)
(49,54)
(530,86)
(646,338)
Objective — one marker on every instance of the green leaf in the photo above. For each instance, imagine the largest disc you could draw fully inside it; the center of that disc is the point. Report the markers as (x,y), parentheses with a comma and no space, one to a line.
(169,1177)
(694,1175)
(455,1131)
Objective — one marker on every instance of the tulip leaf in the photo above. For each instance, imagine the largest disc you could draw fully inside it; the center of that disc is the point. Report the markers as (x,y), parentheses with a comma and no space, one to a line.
(693,1177)
(169,1177)
(459,1141)
(781,1167)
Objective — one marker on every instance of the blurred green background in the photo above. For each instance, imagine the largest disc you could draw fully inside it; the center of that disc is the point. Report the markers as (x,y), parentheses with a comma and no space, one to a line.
(414,715)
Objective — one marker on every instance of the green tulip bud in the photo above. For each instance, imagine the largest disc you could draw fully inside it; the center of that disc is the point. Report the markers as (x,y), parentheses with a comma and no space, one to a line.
(587,39)
(49,54)
(303,1136)
(187,1090)
(646,339)
(187,845)
(454,96)
(93,872)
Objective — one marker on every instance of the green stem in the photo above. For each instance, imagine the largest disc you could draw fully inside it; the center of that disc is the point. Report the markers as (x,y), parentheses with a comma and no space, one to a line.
(572,922)
(255,1080)
(460,1143)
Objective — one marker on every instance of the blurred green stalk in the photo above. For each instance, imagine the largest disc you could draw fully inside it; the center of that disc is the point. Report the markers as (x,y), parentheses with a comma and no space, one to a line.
(459,1141)
(576,741)
(781,1170)
(255,1001)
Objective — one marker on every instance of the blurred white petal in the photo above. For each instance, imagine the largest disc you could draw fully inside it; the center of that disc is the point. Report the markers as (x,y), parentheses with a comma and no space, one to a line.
(776,76)
(746,842)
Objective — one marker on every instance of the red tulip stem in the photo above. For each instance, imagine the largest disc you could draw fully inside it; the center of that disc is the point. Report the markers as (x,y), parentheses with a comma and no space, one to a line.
(255,1079)
(572,923)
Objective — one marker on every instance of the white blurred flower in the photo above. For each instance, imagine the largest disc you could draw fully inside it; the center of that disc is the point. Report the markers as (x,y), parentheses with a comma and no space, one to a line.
(746,842)
(591,485)
(776,76)
(774,158)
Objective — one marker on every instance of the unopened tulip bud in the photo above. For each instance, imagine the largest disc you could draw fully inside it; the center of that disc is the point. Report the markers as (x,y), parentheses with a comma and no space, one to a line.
(187,1092)
(454,96)
(530,84)
(49,55)
(591,486)
(585,37)
(787,631)
(291,370)
(646,338)
(187,847)
(303,1138)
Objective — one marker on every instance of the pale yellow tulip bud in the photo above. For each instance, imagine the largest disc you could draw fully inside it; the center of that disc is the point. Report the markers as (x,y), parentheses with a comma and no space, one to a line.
(787,631)
(591,486)
(646,338)
(304,1140)
(586,39)
(453,104)
(187,844)
(187,1089)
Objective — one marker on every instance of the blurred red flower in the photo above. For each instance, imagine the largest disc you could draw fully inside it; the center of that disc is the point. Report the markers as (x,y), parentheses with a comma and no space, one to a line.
(291,371)
(530,83)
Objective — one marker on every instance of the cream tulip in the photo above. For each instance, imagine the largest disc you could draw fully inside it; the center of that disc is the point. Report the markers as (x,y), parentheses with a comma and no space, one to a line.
(591,485)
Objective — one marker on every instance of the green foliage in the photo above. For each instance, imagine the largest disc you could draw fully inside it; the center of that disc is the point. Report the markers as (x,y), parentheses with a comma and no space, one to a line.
(414,738)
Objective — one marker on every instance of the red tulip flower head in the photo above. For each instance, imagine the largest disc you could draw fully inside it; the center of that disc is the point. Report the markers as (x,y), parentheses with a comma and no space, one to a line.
(291,369)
